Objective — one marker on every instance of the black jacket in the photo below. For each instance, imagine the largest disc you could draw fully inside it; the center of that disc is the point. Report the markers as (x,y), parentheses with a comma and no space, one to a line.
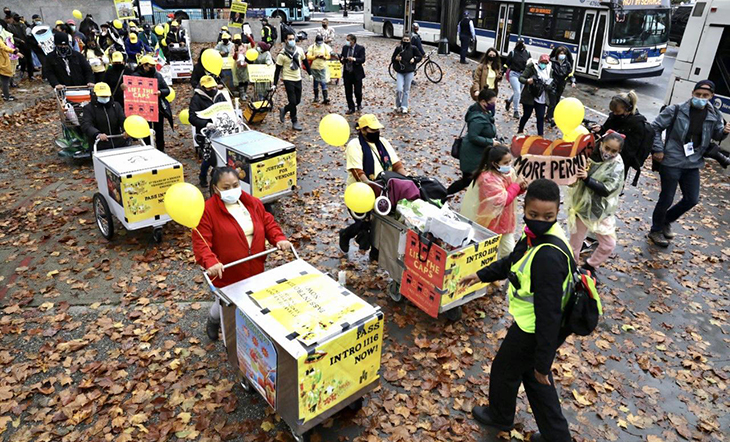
(202,101)
(55,70)
(548,271)
(104,119)
(356,66)
(406,55)
(113,77)
(561,71)
(632,126)
(517,60)
(528,92)
(417,42)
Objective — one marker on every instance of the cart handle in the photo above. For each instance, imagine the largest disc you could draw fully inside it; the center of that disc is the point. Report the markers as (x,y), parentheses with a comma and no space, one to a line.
(108,136)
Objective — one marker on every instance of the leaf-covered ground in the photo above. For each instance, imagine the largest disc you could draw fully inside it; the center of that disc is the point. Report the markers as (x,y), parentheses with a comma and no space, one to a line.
(104,341)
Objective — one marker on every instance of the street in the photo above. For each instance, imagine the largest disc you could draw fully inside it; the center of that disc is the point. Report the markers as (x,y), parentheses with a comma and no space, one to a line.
(105,340)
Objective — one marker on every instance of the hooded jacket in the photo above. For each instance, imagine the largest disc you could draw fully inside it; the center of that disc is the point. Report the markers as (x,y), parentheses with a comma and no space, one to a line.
(517,60)
(79,73)
(106,119)
(480,135)
(407,54)
(199,102)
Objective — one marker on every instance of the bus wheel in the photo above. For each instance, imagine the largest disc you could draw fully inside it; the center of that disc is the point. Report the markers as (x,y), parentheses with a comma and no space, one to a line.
(388,30)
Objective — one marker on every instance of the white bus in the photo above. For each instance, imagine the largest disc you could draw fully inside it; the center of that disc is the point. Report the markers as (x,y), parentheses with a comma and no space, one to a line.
(704,54)
(609,40)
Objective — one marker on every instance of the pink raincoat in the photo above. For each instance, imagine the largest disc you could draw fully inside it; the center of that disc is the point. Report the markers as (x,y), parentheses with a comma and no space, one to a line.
(490,201)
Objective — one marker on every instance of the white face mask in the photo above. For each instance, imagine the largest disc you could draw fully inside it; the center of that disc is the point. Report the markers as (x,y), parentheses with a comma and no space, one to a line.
(103,100)
(230,196)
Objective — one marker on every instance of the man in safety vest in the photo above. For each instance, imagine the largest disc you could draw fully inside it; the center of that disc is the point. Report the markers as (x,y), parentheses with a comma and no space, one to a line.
(539,272)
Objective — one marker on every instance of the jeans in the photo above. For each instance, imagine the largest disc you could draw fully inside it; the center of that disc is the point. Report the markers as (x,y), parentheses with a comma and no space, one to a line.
(317,74)
(539,114)
(514,81)
(606,244)
(5,81)
(403,88)
(464,43)
(689,183)
(513,366)
(293,96)
(352,85)
(554,99)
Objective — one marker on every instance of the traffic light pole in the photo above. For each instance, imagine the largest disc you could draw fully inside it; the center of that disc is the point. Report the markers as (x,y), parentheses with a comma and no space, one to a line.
(408,18)
(522,17)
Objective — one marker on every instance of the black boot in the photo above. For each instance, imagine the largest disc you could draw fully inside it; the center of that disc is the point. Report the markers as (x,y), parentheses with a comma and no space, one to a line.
(316,96)
(212,328)
(325,97)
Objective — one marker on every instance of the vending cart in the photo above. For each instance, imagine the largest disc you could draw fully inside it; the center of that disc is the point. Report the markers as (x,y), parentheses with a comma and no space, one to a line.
(132,182)
(266,165)
(308,345)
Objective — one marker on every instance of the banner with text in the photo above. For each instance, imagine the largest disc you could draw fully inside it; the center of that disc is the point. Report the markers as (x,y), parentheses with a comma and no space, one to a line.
(260,73)
(143,195)
(274,175)
(140,97)
(555,160)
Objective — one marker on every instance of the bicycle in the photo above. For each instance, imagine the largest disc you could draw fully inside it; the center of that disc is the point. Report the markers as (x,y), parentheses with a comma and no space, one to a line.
(431,69)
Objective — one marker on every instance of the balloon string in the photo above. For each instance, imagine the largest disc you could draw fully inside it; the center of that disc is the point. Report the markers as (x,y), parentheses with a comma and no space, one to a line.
(208,246)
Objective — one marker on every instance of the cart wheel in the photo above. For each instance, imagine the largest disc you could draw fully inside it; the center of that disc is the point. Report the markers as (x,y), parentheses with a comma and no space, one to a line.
(157,234)
(301,437)
(245,386)
(356,406)
(394,291)
(104,220)
(454,314)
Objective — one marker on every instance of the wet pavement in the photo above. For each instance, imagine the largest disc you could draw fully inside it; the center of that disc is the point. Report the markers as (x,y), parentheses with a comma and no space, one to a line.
(104,340)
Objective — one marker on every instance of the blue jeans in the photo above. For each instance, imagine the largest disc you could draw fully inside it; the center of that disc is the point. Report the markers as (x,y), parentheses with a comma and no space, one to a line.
(514,81)
(689,182)
(403,88)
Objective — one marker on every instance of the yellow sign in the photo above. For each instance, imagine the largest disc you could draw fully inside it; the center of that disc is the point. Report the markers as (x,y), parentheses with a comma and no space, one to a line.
(125,9)
(143,195)
(227,63)
(274,175)
(335,69)
(466,262)
(336,370)
(211,111)
(260,73)
(238,14)
(307,305)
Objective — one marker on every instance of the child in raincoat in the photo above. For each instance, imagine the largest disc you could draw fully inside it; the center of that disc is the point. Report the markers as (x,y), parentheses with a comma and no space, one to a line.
(594,199)
(490,199)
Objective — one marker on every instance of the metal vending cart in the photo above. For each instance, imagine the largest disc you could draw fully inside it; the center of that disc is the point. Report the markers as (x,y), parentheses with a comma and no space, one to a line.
(266,165)
(132,182)
(428,274)
(308,345)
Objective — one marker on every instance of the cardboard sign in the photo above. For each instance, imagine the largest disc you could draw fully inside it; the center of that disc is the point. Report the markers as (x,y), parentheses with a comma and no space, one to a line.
(261,73)
(143,195)
(140,97)
(337,369)
(238,14)
(227,63)
(560,169)
(44,36)
(257,357)
(125,9)
(274,175)
(335,69)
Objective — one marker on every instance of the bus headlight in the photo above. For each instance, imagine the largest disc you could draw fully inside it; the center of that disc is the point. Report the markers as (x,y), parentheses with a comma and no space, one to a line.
(612,60)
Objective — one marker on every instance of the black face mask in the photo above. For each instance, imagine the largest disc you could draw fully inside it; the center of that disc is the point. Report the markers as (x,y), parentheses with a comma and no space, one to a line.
(64,51)
(406,45)
(373,137)
(490,57)
(210,92)
(537,227)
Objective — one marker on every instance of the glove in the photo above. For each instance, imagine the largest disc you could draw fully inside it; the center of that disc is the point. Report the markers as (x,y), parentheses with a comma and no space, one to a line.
(210,126)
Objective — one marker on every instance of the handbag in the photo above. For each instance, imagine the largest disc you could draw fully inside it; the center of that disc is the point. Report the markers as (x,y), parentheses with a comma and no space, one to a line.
(456,145)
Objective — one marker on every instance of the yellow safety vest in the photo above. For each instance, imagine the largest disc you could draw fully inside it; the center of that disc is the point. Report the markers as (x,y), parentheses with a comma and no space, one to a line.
(522,300)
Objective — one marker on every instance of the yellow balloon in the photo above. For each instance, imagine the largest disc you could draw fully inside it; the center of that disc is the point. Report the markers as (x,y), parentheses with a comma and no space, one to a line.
(359,197)
(334,130)
(575,134)
(171,95)
(136,127)
(77,14)
(569,113)
(184,116)
(185,204)
(212,61)
(252,54)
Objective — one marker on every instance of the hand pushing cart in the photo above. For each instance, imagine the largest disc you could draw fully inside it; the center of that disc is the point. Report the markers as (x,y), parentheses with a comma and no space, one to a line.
(308,345)
(70,101)
(132,182)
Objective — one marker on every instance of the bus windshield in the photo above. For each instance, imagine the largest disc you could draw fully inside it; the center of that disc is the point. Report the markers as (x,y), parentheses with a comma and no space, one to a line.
(640,28)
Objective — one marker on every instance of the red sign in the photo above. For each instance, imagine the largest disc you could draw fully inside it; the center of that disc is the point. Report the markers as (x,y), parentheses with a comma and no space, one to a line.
(421,293)
(140,97)
(425,260)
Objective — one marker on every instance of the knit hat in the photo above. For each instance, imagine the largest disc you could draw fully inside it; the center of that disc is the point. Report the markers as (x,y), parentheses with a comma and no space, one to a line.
(705,84)
(544,58)
(60,38)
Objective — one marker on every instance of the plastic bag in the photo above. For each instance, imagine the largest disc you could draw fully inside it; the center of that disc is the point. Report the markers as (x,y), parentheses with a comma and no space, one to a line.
(448,228)
(595,211)
(416,213)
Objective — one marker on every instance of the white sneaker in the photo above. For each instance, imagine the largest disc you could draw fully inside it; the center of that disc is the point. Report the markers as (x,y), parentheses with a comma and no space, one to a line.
(404,110)
(396,109)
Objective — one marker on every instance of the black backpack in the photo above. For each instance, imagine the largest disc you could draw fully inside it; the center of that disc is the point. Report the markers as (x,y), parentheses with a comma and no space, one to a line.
(637,158)
(430,188)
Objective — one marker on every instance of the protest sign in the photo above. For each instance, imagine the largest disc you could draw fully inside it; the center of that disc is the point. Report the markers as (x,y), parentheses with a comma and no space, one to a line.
(558,161)
(125,9)
(223,117)
(335,69)
(260,73)
(238,14)
(140,97)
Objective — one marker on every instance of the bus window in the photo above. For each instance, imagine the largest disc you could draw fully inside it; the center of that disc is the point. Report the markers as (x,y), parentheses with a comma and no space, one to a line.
(567,24)
(538,20)
(427,10)
(386,8)
(699,10)
(640,28)
(487,15)
(720,72)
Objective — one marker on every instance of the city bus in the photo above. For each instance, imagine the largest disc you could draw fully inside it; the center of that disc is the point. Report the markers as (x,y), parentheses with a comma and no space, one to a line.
(608,40)
(286,10)
(704,54)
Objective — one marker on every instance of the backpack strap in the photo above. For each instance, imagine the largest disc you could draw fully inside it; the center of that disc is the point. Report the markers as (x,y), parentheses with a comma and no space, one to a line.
(559,244)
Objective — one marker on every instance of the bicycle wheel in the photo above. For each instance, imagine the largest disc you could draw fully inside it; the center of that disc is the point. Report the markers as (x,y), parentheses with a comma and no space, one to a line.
(433,71)
(391,71)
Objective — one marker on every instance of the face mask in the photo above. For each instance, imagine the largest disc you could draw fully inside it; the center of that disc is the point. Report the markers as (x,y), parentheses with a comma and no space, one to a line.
(38,23)
(542,66)
(103,100)
(324,25)
(225,42)
(64,51)
(561,57)
(607,156)
(537,227)
(406,45)
(319,43)
(373,137)
(504,169)
(210,92)
(230,196)
(699,102)
(291,43)
(104,32)
(490,57)
(491,108)
(73,28)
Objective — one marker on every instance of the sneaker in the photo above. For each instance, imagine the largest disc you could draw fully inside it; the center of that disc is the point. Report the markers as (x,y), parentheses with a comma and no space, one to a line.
(282,114)
(516,115)
(350,111)
(359,107)
(296,126)
(507,104)
(404,110)
(481,414)
(344,242)
(667,232)
(9,98)
(659,239)
(212,328)
(397,109)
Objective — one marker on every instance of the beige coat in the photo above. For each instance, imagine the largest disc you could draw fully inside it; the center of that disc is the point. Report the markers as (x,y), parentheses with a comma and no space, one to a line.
(479,80)
(6,68)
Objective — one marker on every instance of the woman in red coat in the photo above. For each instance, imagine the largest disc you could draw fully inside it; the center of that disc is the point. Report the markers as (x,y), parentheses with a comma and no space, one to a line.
(234,225)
